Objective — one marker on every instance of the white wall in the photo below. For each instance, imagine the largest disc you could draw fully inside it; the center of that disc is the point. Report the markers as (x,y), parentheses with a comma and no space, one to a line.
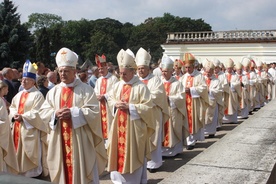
(265,52)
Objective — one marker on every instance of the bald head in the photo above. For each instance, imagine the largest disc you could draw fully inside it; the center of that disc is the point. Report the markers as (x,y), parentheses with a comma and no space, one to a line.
(52,77)
(7,73)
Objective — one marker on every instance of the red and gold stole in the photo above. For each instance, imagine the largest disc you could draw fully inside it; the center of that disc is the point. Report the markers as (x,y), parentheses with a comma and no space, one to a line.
(66,100)
(166,141)
(189,83)
(145,81)
(240,76)
(208,82)
(248,75)
(16,133)
(229,76)
(103,108)
(122,127)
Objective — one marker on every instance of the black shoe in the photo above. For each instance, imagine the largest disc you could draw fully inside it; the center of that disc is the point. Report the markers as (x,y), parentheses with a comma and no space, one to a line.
(152,170)
(256,109)
(211,136)
(190,147)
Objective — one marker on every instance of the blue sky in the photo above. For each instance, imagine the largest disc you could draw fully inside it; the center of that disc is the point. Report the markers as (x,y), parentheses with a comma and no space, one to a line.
(222,15)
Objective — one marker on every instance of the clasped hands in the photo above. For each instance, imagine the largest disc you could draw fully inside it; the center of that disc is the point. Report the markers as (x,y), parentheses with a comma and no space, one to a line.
(187,90)
(122,105)
(17,117)
(63,113)
(100,97)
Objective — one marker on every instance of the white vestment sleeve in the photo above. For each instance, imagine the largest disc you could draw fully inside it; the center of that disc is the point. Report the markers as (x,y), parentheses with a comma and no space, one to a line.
(106,96)
(77,117)
(194,93)
(28,125)
(133,112)
(211,95)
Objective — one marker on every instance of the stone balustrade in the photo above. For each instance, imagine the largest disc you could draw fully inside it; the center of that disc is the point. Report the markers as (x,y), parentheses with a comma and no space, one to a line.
(221,36)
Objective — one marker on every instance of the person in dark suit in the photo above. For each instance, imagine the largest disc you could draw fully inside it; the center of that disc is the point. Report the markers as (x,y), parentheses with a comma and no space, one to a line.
(42,84)
(16,81)
(8,76)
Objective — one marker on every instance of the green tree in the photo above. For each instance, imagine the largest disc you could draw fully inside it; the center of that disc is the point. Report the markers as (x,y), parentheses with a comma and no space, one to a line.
(101,43)
(14,38)
(76,34)
(46,28)
(38,21)
(153,32)
(43,47)
(106,38)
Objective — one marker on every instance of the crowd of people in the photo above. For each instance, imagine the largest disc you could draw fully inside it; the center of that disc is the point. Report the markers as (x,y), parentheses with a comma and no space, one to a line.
(72,124)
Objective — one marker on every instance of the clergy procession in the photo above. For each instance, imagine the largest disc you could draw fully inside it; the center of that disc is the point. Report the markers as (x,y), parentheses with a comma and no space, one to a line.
(68,126)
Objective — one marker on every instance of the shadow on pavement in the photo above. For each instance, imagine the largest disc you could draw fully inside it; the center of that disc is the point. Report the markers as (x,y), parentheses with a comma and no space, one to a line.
(171,164)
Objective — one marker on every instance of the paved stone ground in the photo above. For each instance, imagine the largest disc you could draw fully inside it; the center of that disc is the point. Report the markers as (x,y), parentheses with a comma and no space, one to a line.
(172,164)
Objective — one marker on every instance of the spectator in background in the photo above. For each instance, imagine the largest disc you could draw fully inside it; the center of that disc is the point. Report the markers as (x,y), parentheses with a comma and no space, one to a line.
(110,67)
(8,76)
(89,73)
(16,79)
(83,75)
(40,69)
(46,71)
(94,77)
(42,84)
(20,71)
(52,78)
(1,76)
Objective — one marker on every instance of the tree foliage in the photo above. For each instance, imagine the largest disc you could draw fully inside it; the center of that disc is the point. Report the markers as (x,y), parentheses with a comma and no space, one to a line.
(153,32)
(14,37)
(38,21)
(43,47)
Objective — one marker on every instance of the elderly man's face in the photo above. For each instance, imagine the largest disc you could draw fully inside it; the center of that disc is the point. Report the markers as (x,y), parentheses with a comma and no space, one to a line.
(67,74)
(177,70)
(167,73)
(209,72)
(126,74)
(103,71)
(189,68)
(143,71)
(230,69)
(239,71)
(217,70)
(27,83)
